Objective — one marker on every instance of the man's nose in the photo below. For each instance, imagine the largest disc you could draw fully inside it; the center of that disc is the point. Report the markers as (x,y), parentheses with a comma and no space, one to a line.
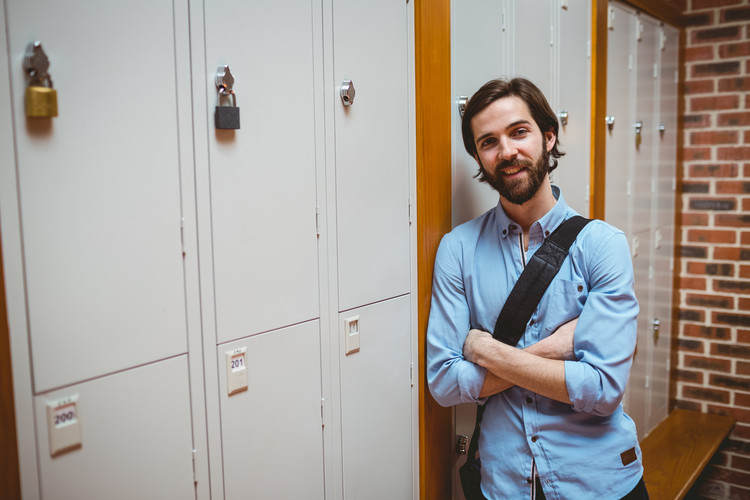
(508,150)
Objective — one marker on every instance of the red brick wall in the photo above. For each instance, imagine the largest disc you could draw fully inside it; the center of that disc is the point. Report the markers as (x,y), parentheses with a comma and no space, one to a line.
(713,374)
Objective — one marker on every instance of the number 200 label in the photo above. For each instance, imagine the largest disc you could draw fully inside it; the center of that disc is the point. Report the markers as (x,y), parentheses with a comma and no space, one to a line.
(65,415)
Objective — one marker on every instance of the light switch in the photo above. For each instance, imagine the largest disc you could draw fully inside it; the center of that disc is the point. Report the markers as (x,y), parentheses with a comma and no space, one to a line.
(236,370)
(351,334)
(64,424)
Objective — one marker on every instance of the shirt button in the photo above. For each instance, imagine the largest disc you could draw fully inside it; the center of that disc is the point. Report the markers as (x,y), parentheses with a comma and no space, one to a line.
(505,231)
(534,439)
(528,480)
(529,400)
(580,288)
(531,323)
(514,227)
(546,233)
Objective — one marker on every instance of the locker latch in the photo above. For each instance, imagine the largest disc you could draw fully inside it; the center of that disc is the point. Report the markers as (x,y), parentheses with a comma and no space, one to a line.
(656,324)
(461,444)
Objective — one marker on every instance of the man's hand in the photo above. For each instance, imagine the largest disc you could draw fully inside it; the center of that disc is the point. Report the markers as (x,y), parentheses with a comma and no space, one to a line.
(473,344)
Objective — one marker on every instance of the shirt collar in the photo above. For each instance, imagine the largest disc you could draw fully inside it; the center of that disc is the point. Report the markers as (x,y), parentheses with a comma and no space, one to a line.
(547,224)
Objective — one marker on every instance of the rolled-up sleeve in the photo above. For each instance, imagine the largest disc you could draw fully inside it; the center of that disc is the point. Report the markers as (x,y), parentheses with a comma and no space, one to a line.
(606,332)
(451,379)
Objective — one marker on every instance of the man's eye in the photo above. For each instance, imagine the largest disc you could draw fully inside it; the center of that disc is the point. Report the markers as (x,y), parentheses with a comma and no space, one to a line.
(521,132)
(488,142)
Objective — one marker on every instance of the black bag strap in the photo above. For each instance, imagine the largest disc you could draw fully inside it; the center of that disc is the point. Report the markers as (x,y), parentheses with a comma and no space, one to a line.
(527,292)
(534,280)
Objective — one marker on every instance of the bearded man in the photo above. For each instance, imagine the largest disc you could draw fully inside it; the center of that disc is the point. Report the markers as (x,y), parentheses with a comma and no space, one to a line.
(553,425)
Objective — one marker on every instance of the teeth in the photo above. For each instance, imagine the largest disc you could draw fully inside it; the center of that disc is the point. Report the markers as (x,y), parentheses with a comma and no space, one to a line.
(511,171)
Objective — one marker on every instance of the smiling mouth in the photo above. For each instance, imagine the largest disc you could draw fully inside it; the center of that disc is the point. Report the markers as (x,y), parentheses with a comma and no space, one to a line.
(512,170)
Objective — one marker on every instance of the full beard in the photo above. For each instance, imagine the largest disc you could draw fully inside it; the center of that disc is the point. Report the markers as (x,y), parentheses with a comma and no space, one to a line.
(519,191)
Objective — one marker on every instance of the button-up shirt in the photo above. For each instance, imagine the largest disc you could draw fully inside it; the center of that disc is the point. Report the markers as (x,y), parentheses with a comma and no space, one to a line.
(587,449)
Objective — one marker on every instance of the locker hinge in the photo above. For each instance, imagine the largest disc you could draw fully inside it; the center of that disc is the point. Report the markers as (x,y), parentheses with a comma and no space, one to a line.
(650,272)
(611,19)
(322,418)
(411,373)
(551,36)
(411,219)
(195,472)
(182,235)
(502,20)
(317,220)
(656,70)
(662,39)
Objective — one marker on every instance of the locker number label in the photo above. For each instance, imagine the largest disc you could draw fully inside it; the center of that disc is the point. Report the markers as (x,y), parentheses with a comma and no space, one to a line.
(65,415)
(238,363)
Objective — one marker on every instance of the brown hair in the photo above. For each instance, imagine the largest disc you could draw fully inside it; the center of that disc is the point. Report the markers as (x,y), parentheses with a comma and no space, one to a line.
(529,93)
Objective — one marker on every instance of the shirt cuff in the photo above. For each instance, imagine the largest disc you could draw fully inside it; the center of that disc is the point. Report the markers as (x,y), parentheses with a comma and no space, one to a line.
(470,381)
(583,395)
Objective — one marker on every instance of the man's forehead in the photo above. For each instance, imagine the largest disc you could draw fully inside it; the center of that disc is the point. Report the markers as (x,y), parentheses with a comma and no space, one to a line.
(504,112)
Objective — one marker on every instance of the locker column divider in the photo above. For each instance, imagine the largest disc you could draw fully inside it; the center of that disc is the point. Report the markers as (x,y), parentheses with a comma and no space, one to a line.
(599,16)
(332,444)
(191,262)
(416,364)
(201,129)
(15,286)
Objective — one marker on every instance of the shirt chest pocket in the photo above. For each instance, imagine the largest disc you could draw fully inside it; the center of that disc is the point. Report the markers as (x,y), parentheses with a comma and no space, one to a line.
(563,301)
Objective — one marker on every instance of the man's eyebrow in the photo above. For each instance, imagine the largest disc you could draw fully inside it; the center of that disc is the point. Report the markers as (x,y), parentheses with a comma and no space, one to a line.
(510,126)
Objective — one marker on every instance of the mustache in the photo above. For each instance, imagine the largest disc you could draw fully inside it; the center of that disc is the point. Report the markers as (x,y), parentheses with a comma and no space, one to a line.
(515,162)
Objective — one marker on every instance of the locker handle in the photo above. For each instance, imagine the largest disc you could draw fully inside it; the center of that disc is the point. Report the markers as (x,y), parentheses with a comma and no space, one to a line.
(347,92)
(638,127)
(563,115)
(462,100)
(610,121)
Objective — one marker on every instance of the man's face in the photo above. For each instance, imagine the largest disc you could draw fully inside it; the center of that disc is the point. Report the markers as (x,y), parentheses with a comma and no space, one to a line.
(511,150)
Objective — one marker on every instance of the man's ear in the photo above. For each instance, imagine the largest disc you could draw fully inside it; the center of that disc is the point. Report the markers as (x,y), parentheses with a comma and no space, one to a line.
(550,139)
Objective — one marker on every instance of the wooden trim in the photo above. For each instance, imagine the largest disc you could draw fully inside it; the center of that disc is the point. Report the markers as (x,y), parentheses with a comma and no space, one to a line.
(598,167)
(433,130)
(659,9)
(677,255)
(10,479)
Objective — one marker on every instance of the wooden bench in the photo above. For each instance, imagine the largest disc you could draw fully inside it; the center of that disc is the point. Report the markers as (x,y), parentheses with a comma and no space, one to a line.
(678,449)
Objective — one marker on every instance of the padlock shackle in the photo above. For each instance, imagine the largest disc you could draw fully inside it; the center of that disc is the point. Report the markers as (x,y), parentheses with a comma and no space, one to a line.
(223,93)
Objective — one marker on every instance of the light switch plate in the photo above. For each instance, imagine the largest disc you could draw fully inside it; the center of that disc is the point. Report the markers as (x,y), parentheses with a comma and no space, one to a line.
(64,425)
(236,370)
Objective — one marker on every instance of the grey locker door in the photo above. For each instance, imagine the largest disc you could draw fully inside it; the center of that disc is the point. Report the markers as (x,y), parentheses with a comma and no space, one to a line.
(99,188)
(263,182)
(638,392)
(272,433)
(136,437)
(620,135)
(376,404)
(573,77)
(531,38)
(372,150)
(646,113)
(477,56)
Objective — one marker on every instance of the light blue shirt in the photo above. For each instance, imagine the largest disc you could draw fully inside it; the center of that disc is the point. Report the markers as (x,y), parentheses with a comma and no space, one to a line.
(587,449)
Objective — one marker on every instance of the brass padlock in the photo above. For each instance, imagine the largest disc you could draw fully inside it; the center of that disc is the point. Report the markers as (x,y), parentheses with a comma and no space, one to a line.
(41,102)
(41,98)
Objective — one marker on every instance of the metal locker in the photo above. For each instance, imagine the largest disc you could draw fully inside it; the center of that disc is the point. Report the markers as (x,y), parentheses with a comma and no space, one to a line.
(99,189)
(638,389)
(376,408)
(263,176)
(573,82)
(661,323)
(136,437)
(531,56)
(644,121)
(666,166)
(478,54)
(620,134)
(372,155)
(275,424)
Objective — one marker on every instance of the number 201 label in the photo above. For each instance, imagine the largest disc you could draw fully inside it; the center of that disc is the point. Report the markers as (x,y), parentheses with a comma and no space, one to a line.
(238,363)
